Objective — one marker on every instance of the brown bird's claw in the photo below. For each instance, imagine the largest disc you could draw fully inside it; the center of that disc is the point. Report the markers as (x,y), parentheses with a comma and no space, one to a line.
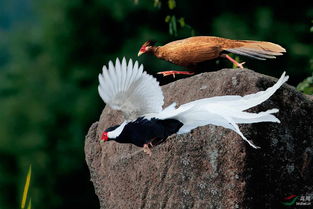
(146,149)
(240,65)
(171,72)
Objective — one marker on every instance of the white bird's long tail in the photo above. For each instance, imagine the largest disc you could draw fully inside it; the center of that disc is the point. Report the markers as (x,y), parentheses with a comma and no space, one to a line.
(226,111)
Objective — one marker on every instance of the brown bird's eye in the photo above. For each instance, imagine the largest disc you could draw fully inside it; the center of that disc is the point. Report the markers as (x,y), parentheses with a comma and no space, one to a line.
(143,48)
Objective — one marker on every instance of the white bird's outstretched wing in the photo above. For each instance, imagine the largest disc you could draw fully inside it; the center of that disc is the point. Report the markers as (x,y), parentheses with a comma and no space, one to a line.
(128,88)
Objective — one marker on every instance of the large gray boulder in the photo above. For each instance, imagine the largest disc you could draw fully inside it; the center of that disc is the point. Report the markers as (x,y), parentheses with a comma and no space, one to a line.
(211,167)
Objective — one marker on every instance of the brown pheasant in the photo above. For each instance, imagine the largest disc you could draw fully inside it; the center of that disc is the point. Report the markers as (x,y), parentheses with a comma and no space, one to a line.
(194,50)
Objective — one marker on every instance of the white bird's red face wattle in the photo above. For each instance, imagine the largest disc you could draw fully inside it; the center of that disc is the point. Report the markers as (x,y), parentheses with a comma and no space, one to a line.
(104,136)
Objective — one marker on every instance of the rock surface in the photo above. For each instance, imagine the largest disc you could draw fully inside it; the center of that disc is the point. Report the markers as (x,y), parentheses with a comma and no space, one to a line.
(211,167)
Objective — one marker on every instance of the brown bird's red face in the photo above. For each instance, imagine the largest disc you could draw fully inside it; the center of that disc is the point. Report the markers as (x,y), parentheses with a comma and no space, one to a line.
(146,47)
(104,136)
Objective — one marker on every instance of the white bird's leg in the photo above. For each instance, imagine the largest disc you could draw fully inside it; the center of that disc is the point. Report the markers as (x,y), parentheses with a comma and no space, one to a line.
(150,143)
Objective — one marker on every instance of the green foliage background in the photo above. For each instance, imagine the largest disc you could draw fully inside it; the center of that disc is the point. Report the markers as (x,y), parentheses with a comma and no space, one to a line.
(52,51)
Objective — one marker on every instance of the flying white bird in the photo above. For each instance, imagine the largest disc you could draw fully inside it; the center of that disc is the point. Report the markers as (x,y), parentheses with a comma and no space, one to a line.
(128,88)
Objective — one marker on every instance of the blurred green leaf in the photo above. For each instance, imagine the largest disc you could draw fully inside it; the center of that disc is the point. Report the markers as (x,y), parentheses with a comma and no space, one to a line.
(171,4)
(237,59)
(29,204)
(193,32)
(182,22)
(167,18)
(170,27)
(157,3)
(174,25)
(26,187)
(306,86)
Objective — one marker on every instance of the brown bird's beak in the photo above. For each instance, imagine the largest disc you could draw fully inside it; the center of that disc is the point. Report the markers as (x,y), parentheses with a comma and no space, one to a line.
(140,53)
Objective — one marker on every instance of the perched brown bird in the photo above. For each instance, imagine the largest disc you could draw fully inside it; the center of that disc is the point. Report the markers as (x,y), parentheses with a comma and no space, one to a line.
(194,50)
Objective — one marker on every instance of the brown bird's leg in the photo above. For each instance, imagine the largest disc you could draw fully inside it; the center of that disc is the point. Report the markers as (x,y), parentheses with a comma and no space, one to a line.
(233,61)
(171,72)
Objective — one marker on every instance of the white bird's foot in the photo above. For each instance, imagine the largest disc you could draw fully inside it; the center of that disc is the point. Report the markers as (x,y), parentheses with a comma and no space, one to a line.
(146,149)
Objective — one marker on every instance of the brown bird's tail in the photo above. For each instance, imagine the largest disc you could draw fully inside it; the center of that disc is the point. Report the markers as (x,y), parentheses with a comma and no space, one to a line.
(260,50)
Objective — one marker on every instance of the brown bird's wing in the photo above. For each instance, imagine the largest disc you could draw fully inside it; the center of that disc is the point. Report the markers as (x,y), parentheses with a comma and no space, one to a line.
(260,50)
(191,50)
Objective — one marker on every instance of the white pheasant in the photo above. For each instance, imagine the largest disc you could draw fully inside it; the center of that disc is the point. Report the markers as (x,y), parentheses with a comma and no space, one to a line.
(128,88)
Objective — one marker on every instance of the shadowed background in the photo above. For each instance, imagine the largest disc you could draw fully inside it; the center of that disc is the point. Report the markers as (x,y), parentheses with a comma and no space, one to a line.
(52,51)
